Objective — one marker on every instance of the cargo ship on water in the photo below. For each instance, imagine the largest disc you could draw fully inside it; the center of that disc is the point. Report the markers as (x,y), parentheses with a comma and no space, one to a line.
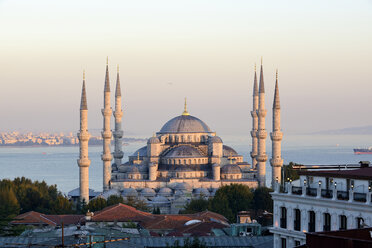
(363,150)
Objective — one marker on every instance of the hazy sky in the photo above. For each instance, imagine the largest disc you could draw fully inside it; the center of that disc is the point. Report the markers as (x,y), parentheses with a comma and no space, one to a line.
(202,50)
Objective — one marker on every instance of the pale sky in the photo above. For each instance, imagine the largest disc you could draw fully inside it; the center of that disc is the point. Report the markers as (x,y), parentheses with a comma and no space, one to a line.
(202,50)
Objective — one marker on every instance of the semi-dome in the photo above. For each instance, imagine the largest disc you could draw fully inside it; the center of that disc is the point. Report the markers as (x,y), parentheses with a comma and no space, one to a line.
(229,152)
(153,140)
(185,124)
(216,139)
(231,169)
(183,151)
(133,170)
(142,152)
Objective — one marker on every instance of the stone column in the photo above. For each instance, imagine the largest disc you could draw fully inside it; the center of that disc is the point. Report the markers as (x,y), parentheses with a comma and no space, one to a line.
(276,137)
(118,133)
(83,137)
(106,134)
(261,134)
(254,115)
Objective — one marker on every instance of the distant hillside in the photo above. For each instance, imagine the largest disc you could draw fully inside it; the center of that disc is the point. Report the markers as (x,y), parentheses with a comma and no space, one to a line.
(366,130)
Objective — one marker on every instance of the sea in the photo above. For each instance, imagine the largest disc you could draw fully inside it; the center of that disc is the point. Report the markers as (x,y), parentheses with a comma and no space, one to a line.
(58,165)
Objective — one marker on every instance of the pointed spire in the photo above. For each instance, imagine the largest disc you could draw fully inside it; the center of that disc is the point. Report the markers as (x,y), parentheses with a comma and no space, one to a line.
(107,79)
(262,84)
(118,89)
(185,108)
(276,104)
(255,87)
(83,103)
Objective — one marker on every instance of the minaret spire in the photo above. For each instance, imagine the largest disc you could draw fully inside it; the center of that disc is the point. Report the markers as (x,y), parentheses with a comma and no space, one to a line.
(185,108)
(254,120)
(106,133)
(118,114)
(261,132)
(276,136)
(83,137)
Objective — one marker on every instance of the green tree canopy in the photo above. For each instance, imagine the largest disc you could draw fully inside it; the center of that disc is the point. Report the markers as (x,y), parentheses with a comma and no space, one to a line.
(262,199)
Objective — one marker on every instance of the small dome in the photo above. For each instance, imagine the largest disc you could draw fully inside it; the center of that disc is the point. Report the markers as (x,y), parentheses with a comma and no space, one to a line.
(183,151)
(129,192)
(148,192)
(133,170)
(142,152)
(213,191)
(182,186)
(201,191)
(165,192)
(231,169)
(185,124)
(229,152)
(160,199)
(215,139)
(153,140)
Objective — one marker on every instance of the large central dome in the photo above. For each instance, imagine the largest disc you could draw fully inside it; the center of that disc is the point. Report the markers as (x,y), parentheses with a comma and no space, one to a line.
(185,124)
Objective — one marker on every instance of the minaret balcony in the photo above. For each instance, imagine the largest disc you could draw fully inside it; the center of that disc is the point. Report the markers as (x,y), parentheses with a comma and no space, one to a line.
(118,133)
(83,136)
(276,136)
(106,111)
(254,114)
(106,157)
(261,158)
(254,133)
(118,114)
(261,113)
(83,162)
(276,162)
(106,134)
(118,154)
(253,154)
(261,134)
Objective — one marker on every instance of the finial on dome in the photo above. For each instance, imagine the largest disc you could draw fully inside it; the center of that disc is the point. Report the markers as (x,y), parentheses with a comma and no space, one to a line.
(83,74)
(137,155)
(276,74)
(254,67)
(185,108)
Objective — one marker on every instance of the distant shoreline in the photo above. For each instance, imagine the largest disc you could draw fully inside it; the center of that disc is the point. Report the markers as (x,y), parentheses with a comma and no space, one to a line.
(44,145)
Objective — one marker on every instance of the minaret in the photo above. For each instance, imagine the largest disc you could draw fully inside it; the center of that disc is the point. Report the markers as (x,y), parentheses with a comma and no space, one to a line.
(254,121)
(118,114)
(106,133)
(276,137)
(261,133)
(83,136)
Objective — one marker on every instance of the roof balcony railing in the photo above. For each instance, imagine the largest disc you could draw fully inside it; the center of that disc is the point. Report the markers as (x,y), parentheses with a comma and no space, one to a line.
(296,190)
(360,197)
(311,191)
(327,193)
(342,195)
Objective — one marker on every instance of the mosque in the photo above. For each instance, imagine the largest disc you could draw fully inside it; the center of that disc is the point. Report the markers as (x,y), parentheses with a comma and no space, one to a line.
(184,160)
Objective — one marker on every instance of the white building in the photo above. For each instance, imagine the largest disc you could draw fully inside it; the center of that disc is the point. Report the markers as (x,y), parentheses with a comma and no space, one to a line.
(322,200)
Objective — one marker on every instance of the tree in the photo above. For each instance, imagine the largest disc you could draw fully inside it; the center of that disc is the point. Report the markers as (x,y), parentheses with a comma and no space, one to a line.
(289,173)
(262,199)
(196,205)
(96,204)
(230,199)
(137,204)
(114,199)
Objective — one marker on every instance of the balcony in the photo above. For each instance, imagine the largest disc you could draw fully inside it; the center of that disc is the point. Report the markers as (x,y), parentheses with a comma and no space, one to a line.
(327,193)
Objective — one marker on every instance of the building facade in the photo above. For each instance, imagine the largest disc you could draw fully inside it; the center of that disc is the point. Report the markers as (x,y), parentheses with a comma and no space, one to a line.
(322,201)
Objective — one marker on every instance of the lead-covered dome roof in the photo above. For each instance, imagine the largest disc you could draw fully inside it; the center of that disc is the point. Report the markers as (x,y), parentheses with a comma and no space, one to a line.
(185,124)
(229,152)
(184,151)
(231,169)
